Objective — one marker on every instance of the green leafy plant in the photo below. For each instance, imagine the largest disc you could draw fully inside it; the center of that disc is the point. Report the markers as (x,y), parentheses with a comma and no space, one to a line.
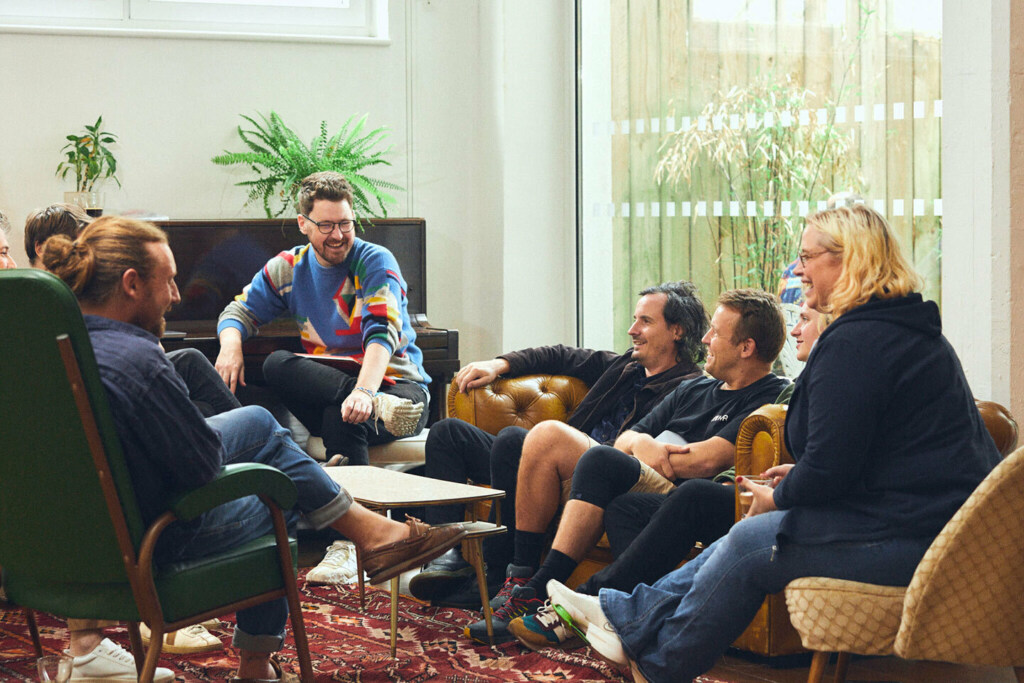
(89,157)
(773,161)
(281,160)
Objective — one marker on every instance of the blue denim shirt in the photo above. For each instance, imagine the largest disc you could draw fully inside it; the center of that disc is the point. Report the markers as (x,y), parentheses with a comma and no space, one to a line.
(168,445)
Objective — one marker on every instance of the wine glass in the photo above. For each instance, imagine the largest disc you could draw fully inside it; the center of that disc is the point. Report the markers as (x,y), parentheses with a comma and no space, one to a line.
(55,668)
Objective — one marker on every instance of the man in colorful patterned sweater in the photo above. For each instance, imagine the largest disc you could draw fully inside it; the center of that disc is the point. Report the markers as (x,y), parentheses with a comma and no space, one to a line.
(348,298)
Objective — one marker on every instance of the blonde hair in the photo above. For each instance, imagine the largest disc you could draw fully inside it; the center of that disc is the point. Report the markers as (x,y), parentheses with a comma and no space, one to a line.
(873,262)
(92,264)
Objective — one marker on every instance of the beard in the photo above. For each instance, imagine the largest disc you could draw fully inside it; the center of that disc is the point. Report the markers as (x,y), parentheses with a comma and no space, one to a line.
(154,327)
(334,260)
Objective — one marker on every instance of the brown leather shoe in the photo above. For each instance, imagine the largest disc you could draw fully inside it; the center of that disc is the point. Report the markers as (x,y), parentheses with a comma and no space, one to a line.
(425,542)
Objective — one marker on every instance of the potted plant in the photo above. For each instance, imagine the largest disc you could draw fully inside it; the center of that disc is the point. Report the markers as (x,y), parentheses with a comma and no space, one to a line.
(91,160)
(774,162)
(281,160)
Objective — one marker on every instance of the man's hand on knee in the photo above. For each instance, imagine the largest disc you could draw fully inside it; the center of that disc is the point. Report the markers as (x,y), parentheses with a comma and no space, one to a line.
(357,408)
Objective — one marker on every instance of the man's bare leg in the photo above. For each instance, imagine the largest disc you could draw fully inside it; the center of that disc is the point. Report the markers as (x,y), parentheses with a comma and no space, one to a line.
(579,530)
(550,453)
(83,636)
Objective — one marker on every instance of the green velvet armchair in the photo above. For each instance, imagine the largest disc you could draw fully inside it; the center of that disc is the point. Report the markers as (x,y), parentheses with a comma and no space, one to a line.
(72,541)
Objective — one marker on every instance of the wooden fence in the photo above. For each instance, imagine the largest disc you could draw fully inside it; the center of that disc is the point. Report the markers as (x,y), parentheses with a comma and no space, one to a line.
(667,64)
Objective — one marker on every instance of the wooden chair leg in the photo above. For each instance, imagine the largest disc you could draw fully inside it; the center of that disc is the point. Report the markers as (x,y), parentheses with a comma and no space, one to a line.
(33,631)
(818,665)
(842,666)
(291,592)
(156,644)
(299,635)
(135,643)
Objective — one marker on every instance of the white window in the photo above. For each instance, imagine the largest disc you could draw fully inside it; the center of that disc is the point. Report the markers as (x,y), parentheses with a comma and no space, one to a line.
(320,20)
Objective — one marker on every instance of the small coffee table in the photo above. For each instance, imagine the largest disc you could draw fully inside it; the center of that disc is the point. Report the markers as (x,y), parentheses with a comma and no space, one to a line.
(382,490)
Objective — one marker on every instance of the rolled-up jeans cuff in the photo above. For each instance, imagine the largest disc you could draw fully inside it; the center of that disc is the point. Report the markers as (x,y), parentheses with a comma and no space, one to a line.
(251,643)
(323,516)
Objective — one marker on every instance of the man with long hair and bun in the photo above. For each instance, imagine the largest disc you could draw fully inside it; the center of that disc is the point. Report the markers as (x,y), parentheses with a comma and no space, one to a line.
(122,272)
(888,445)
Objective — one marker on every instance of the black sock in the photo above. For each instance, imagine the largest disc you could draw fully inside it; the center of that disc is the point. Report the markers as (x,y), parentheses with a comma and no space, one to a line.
(529,546)
(558,566)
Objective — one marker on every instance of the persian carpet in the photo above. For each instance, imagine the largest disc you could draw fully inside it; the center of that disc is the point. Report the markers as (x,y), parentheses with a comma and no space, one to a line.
(348,645)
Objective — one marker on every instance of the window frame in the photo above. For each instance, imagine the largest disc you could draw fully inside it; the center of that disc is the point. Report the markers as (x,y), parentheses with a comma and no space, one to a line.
(357,21)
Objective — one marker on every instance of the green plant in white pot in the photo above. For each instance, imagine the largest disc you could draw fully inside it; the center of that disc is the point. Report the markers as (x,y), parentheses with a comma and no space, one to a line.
(281,160)
(88,156)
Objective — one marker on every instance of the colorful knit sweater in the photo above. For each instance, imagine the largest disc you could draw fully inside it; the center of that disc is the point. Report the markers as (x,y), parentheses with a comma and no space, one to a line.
(339,310)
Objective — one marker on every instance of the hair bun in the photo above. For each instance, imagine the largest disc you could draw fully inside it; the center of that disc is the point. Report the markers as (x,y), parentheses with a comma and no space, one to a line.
(71,261)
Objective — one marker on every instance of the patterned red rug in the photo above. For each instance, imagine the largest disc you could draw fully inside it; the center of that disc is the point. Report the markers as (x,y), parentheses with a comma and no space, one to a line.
(349,645)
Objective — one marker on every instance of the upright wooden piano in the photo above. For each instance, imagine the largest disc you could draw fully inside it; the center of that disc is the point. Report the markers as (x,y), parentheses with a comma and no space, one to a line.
(216,258)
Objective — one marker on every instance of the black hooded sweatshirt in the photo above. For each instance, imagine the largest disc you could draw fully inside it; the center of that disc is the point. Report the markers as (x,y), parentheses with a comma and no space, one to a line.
(883,428)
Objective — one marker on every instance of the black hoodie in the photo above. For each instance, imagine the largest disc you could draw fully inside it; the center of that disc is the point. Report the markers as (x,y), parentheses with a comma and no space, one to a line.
(884,429)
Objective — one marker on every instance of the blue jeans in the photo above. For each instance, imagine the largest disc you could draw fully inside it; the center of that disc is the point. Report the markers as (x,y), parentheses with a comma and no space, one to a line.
(251,434)
(677,628)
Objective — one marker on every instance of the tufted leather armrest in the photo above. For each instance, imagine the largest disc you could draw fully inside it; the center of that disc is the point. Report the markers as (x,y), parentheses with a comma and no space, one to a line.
(759,444)
(522,401)
(1000,424)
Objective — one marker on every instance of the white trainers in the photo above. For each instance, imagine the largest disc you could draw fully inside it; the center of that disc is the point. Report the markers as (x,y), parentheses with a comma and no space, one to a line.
(400,415)
(110,662)
(587,615)
(338,565)
(186,641)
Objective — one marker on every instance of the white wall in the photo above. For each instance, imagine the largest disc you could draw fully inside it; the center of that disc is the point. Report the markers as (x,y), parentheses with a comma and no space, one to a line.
(490,172)
(983,195)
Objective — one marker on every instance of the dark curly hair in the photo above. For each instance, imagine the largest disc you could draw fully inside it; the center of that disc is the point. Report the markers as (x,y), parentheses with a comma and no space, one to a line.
(684,308)
(327,185)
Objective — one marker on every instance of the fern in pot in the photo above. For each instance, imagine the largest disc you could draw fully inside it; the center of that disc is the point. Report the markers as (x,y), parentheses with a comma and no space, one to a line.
(280,160)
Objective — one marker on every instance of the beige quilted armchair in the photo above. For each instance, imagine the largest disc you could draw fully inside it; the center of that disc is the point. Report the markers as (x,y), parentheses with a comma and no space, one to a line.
(963,603)
(759,445)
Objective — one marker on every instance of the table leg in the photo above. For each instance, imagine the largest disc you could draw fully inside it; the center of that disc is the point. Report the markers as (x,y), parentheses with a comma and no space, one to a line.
(394,614)
(472,548)
(362,585)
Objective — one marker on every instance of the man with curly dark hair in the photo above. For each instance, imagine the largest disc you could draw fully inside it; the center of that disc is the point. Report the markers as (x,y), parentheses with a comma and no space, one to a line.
(668,323)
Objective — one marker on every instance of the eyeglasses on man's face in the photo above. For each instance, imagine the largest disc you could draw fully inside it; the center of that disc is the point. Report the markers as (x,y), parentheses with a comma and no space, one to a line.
(327,227)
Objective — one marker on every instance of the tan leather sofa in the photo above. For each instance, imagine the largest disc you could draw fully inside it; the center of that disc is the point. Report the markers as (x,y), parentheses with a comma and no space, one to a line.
(517,401)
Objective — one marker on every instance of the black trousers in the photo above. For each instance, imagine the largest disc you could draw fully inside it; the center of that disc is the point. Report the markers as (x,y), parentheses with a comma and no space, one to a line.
(651,533)
(314,392)
(458,451)
(205,387)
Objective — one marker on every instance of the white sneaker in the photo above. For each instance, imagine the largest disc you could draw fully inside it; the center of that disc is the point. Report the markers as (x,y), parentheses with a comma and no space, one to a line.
(110,662)
(400,415)
(586,612)
(186,641)
(338,565)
